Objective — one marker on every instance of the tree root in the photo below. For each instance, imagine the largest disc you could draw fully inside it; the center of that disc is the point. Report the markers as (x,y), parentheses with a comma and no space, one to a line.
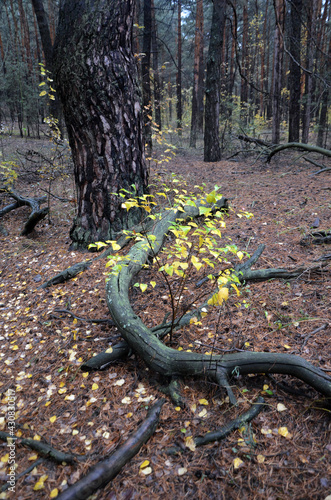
(107,469)
(37,213)
(170,362)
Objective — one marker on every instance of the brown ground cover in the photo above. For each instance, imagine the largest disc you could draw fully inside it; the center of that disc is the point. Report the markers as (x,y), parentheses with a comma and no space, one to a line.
(42,350)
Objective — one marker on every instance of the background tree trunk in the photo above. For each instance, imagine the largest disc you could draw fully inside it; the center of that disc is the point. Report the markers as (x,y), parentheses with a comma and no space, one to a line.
(145,71)
(197,94)
(212,150)
(179,69)
(96,78)
(278,69)
(295,71)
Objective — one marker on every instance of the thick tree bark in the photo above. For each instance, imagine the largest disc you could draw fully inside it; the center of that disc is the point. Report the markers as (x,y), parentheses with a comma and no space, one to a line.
(295,71)
(96,78)
(212,150)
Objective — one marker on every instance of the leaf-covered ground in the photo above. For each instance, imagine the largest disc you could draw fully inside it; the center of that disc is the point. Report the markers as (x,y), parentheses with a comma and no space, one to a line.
(286,451)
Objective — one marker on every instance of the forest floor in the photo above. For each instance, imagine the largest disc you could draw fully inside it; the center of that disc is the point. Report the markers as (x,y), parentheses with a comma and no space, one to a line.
(287,452)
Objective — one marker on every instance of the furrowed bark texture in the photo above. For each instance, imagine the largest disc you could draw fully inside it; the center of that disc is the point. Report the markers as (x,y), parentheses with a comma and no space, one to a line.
(96,77)
(170,362)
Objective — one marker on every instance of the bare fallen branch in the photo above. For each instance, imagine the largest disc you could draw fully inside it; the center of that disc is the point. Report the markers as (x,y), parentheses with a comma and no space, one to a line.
(107,469)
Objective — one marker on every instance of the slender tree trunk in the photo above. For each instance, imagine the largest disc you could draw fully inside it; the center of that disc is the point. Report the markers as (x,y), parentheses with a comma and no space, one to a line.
(295,71)
(212,150)
(263,50)
(323,117)
(44,31)
(244,64)
(307,98)
(97,81)
(145,71)
(197,94)
(156,74)
(278,69)
(179,69)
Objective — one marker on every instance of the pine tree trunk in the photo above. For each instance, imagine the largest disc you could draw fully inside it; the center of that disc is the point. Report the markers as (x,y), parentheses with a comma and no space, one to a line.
(179,70)
(295,71)
(212,150)
(278,70)
(145,71)
(156,74)
(96,78)
(197,94)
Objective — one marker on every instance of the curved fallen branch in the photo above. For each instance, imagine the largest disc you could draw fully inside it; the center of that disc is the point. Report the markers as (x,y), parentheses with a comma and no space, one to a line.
(37,213)
(170,362)
(107,469)
(301,147)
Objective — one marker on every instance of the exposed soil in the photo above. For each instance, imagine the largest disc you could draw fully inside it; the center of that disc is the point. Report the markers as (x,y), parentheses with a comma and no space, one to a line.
(42,350)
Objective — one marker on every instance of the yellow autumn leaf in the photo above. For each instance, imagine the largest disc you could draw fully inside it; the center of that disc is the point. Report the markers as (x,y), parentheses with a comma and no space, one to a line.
(283,431)
(223,294)
(40,483)
(146,471)
(95,387)
(153,283)
(178,408)
(144,464)
(54,493)
(190,443)
(240,255)
(287,346)
(71,397)
(203,413)
(52,419)
(109,350)
(281,407)
(143,287)
(203,402)
(260,459)
(33,457)
(237,462)
(5,458)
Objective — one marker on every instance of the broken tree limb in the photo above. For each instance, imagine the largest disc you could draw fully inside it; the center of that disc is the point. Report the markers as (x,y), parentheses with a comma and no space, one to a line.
(43,449)
(301,147)
(79,267)
(254,140)
(37,213)
(107,469)
(170,362)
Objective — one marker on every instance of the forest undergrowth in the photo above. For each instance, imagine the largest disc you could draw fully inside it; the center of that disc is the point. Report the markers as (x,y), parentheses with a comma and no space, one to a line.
(46,334)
